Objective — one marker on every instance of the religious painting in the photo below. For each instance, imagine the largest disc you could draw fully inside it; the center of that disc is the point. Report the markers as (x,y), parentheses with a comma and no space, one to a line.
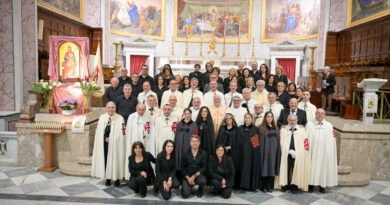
(227,20)
(360,11)
(69,61)
(296,19)
(73,9)
(138,17)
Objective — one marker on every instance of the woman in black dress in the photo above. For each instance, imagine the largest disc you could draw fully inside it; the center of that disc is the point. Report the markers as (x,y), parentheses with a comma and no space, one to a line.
(264,72)
(291,90)
(206,130)
(270,84)
(140,168)
(270,152)
(226,82)
(166,170)
(185,84)
(246,73)
(248,137)
(185,129)
(221,171)
(159,88)
(227,133)
(279,76)
(282,96)
(299,94)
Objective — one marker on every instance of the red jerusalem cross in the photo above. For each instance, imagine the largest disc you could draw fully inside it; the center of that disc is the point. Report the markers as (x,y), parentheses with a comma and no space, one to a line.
(147,127)
(174,125)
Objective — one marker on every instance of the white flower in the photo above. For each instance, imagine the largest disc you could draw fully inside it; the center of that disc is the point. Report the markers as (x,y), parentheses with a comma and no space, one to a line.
(77,83)
(59,84)
(55,83)
(84,82)
(50,87)
(44,84)
(41,81)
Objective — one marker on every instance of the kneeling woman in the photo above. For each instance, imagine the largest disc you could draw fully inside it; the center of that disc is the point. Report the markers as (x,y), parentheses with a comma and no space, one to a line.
(140,168)
(221,171)
(166,170)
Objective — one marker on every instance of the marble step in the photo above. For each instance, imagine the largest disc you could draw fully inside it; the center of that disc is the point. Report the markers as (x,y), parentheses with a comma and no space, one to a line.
(354,179)
(85,160)
(75,169)
(344,169)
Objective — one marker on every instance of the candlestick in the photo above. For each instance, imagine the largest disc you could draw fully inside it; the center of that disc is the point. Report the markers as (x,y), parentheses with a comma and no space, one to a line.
(117,66)
(200,51)
(311,69)
(224,47)
(173,49)
(238,49)
(186,53)
(253,48)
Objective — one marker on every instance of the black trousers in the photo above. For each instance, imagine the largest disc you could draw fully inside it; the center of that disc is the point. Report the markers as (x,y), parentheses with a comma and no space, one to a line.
(138,184)
(290,171)
(167,194)
(186,188)
(225,192)
(267,182)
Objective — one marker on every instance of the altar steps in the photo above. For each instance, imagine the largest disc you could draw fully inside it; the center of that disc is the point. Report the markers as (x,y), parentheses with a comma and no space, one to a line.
(348,178)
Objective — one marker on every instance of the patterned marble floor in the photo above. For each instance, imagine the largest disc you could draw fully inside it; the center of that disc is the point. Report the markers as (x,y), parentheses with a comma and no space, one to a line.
(20,185)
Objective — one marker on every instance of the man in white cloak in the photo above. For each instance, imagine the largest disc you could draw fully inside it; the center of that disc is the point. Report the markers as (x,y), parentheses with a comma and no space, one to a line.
(190,94)
(140,127)
(295,160)
(176,110)
(147,91)
(195,108)
(165,127)
(273,106)
(307,106)
(108,158)
(173,90)
(323,148)
(237,111)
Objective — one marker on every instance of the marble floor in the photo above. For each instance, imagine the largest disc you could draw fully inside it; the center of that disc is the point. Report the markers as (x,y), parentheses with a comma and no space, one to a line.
(24,185)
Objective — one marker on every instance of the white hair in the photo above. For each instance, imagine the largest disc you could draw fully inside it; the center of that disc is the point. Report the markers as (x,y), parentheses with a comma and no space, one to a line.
(260,81)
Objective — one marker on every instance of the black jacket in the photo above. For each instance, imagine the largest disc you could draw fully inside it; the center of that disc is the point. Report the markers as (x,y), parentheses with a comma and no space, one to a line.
(301,114)
(331,80)
(165,168)
(220,171)
(189,165)
(135,168)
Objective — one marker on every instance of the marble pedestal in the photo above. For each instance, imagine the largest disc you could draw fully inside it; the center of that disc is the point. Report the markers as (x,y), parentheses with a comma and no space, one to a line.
(72,151)
(364,148)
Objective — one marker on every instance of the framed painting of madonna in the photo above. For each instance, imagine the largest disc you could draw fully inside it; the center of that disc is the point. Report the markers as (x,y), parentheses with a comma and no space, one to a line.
(69,62)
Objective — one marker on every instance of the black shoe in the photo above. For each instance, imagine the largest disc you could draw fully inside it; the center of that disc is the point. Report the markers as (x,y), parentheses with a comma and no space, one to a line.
(155,189)
(200,192)
(322,190)
(270,190)
(311,187)
(296,191)
(117,183)
(263,190)
(108,182)
(285,188)
(143,195)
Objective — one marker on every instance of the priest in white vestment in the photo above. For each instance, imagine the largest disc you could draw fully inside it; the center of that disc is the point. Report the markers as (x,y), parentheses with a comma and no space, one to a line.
(140,127)
(323,149)
(195,108)
(176,111)
(237,111)
(274,106)
(260,94)
(209,96)
(190,94)
(233,92)
(295,160)
(143,96)
(152,107)
(217,111)
(307,106)
(108,157)
(173,90)
(258,116)
(247,102)
(165,127)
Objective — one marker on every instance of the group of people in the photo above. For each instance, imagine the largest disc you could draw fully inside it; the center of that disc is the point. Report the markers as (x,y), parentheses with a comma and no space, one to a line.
(224,133)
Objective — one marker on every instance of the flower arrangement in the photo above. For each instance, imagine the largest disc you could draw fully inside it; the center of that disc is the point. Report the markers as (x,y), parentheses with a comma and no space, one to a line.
(69,103)
(88,88)
(45,88)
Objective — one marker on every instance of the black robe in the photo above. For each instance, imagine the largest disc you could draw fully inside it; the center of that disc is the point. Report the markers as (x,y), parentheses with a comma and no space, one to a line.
(249,150)
(227,137)
(182,139)
(270,152)
(206,134)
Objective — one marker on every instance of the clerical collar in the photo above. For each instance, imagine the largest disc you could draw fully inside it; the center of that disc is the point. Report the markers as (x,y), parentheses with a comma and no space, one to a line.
(319,122)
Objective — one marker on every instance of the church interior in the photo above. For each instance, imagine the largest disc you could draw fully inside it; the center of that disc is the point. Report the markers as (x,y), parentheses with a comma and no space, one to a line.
(60,62)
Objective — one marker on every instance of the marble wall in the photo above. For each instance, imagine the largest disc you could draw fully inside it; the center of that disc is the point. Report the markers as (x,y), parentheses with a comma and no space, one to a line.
(7,95)
(29,45)
(92,13)
(338,15)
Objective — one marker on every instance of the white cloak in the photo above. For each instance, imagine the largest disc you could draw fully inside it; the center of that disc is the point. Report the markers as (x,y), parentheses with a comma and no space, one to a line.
(261,97)
(139,128)
(165,129)
(251,104)
(310,110)
(323,148)
(238,114)
(165,98)
(115,168)
(143,97)
(275,108)
(178,112)
(302,159)
(187,94)
(209,98)
(155,113)
(229,97)
(195,113)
